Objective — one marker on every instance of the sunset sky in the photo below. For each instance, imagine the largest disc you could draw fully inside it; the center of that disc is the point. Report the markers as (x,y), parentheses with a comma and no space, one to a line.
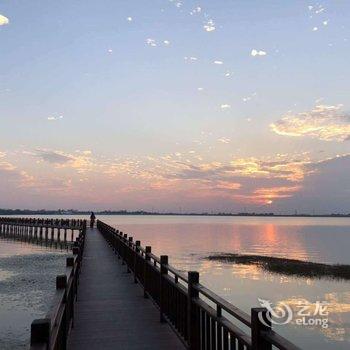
(175,105)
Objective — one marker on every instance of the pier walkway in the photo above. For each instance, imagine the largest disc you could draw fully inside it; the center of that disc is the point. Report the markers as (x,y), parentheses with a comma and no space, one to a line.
(116,294)
(111,311)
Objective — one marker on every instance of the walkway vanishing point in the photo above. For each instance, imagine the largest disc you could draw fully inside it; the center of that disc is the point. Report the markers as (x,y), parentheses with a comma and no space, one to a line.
(116,294)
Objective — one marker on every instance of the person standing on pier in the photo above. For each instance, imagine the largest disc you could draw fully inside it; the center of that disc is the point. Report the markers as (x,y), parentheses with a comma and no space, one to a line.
(92,219)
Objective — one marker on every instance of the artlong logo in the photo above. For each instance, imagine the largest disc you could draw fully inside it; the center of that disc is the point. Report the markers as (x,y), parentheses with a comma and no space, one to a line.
(308,314)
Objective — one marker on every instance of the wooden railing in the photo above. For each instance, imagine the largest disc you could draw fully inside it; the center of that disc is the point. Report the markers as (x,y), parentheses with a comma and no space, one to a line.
(201,318)
(51,332)
(41,230)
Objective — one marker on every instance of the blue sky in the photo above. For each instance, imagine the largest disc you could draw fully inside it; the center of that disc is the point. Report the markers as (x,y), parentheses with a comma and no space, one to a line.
(211,105)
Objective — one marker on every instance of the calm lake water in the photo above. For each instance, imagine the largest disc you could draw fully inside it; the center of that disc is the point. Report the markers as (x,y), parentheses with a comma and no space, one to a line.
(27,272)
(27,286)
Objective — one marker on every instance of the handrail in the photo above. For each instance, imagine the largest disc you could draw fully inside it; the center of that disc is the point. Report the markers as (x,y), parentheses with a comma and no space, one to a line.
(52,331)
(57,223)
(279,341)
(224,304)
(40,230)
(241,335)
(177,273)
(184,305)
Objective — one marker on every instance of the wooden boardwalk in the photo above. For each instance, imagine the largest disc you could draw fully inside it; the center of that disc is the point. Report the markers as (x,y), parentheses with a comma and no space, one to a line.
(111,312)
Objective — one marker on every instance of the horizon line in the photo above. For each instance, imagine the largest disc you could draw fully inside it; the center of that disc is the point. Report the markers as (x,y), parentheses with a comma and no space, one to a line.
(150,213)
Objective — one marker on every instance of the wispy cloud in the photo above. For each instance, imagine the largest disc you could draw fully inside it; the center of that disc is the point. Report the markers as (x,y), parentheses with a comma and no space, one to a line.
(324,122)
(54,157)
(197,9)
(10,173)
(4,20)
(5,165)
(190,58)
(151,42)
(255,52)
(54,118)
(80,161)
(209,26)
(271,193)
(224,140)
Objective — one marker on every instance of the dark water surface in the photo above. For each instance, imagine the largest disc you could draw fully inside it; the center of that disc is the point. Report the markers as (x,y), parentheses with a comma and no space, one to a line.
(27,286)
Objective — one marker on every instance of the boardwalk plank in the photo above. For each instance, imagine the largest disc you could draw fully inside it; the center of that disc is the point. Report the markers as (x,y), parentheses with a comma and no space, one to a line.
(111,312)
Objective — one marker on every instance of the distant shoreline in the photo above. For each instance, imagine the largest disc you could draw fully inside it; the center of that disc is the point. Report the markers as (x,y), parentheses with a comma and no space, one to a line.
(145,213)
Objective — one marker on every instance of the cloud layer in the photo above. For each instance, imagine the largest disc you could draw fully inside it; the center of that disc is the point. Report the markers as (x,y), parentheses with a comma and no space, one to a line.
(324,122)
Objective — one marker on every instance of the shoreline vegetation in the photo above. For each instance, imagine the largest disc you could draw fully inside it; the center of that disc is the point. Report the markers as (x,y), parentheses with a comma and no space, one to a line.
(142,212)
(289,267)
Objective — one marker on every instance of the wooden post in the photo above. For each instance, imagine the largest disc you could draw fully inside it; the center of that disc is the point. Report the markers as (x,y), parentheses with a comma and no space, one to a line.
(162,294)
(137,251)
(61,281)
(71,297)
(75,250)
(125,236)
(129,253)
(219,329)
(70,261)
(40,332)
(119,244)
(192,318)
(61,284)
(148,251)
(258,342)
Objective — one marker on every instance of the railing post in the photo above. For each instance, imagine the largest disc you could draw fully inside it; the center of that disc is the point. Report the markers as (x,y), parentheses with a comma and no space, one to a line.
(129,253)
(76,251)
(61,283)
(219,329)
(70,296)
(70,261)
(117,241)
(124,247)
(40,332)
(192,317)
(148,251)
(260,323)
(162,294)
(137,250)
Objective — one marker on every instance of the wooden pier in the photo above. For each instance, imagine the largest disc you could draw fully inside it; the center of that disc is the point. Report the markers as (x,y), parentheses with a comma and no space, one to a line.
(58,233)
(111,311)
(118,295)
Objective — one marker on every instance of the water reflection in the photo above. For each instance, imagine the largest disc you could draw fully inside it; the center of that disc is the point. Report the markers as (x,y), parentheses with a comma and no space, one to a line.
(27,286)
(244,284)
(338,309)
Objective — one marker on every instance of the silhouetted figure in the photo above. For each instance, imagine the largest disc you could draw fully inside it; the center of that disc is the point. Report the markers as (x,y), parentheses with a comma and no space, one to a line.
(92,219)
